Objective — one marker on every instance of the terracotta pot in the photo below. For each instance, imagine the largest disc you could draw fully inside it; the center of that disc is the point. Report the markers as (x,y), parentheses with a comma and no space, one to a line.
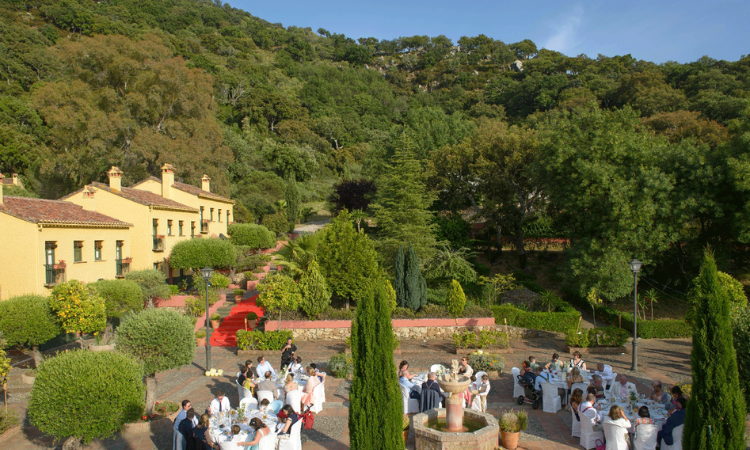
(201,342)
(406,435)
(215,324)
(510,440)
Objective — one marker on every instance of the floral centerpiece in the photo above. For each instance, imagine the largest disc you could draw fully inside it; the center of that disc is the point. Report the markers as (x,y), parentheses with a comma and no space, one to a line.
(440,370)
(632,399)
(283,373)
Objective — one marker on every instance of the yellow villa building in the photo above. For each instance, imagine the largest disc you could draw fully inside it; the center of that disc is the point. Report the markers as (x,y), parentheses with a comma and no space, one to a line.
(45,242)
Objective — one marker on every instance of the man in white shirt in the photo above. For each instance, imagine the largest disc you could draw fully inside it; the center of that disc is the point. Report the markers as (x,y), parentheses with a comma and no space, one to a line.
(180,416)
(219,404)
(263,367)
(605,370)
(296,366)
(588,409)
(541,377)
(623,388)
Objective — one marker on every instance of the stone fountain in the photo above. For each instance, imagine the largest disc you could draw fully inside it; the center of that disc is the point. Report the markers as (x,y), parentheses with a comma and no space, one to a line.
(455,384)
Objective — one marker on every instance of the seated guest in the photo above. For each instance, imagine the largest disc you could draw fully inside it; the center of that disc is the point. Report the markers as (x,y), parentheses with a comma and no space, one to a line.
(203,438)
(644,418)
(290,385)
(219,404)
(181,415)
(464,368)
(616,419)
(598,383)
(527,376)
(576,398)
(260,430)
(555,364)
(588,411)
(532,363)
(263,405)
(307,391)
(675,420)
(431,383)
(243,376)
(187,426)
(321,376)
(659,396)
(574,377)
(268,385)
(263,367)
(622,388)
(403,370)
(576,361)
(404,378)
(605,370)
(296,366)
(291,419)
(250,382)
(541,377)
(677,393)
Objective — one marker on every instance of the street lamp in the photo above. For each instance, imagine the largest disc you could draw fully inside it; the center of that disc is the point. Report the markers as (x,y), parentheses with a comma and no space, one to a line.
(635,267)
(206,272)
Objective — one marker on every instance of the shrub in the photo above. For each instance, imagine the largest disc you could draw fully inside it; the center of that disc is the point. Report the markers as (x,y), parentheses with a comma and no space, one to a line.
(513,421)
(485,361)
(476,311)
(437,296)
(27,321)
(166,408)
(4,365)
(741,335)
(120,296)
(259,340)
(8,421)
(562,318)
(218,281)
(239,292)
(174,289)
(278,293)
(482,339)
(306,213)
(433,312)
(456,300)
(249,276)
(340,365)
(86,394)
(195,306)
(402,313)
(251,236)
(152,283)
(79,307)
(200,334)
(215,316)
(316,297)
(277,223)
(199,253)
(161,338)
(252,316)
(258,270)
(596,337)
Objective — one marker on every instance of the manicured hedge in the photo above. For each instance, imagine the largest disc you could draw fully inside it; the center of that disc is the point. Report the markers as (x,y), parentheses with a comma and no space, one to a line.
(259,340)
(481,339)
(562,318)
(596,337)
(251,235)
(199,253)
(647,329)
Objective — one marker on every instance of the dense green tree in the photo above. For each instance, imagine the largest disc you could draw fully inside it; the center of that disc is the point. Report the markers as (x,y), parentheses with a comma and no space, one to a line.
(152,282)
(27,321)
(414,294)
(456,300)
(712,424)
(316,297)
(199,253)
(374,384)
(292,203)
(279,292)
(741,339)
(120,296)
(398,281)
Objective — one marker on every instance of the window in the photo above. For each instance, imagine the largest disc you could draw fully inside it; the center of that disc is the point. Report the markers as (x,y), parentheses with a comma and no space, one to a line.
(227,216)
(201,214)
(169,228)
(180,224)
(98,250)
(49,262)
(192,229)
(212,214)
(77,251)
(219,215)
(156,227)
(118,258)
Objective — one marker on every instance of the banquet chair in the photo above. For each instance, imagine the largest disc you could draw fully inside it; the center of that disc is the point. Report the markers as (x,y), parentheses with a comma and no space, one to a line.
(645,437)
(676,439)
(575,428)
(269,441)
(551,398)
(411,405)
(294,398)
(517,388)
(581,386)
(608,381)
(231,445)
(276,406)
(294,442)
(435,367)
(610,436)
(250,403)
(242,391)
(178,440)
(588,435)
(318,398)
(265,395)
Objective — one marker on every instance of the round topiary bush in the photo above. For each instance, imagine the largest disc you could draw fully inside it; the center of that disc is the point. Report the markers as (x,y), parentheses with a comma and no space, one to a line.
(161,338)
(120,296)
(86,395)
(250,235)
(79,307)
(28,321)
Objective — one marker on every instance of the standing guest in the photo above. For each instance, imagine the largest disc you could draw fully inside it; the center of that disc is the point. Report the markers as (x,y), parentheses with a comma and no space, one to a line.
(261,430)
(598,383)
(187,426)
(464,368)
(263,367)
(180,416)
(541,377)
(484,389)
(268,385)
(291,419)
(203,436)
(287,352)
(605,370)
(644,418)
(659,396)
(555,364)
(312,382)
(675,420)
(576,361)
(243,376)
(587,411)
(296,366)
(219,404)
(290,385)
(618,424)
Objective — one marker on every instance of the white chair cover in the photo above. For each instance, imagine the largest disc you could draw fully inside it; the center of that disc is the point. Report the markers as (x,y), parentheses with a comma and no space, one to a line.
(294,398)
(178,440)
(676,439)
(435,367)
(318,398)
(250,403)
(517,388)
(411,405)
(581,386)
(265,395)
(645,437)
(575,428)
(479,376)
(268,442)
(294,442)
(615,437)
(588,435)
(230,446)
(551,399)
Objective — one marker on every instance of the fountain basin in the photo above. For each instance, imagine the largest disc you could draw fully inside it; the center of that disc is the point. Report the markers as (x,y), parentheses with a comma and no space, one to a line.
(428,438)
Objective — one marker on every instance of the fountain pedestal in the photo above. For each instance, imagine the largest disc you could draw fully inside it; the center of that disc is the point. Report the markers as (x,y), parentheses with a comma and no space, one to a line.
(455,384)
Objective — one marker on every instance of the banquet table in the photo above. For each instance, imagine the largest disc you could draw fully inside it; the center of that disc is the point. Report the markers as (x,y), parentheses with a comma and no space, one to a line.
(280,380)
(221,425)
(656,410)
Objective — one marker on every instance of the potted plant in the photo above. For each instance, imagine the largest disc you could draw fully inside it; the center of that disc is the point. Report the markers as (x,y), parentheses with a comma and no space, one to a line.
(215,320)
(406,427)
(511,424)
(252,319)
(238,293)
(200,338)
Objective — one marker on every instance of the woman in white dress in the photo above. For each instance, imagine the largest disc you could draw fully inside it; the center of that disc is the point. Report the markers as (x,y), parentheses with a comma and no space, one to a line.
(616,427)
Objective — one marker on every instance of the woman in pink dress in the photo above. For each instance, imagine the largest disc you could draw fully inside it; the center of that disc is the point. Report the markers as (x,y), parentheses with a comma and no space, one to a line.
(307,391)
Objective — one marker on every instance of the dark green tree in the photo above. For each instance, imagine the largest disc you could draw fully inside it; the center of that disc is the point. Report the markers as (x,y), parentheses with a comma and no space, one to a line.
(713,424)
(398,282)
(374,385)
(415,286)
(292,202)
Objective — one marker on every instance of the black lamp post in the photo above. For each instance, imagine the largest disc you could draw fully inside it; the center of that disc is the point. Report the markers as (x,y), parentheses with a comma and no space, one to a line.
(206,272)
(635,267)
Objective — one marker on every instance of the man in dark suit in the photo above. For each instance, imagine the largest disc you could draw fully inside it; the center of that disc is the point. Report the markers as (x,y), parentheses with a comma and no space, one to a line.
(186,425)
(431,383)
(434,400)
(675,420)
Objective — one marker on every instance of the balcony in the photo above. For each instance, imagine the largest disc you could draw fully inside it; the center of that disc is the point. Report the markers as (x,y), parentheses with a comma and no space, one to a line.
(158,243)
(122,267)
(204,227)
(54,274)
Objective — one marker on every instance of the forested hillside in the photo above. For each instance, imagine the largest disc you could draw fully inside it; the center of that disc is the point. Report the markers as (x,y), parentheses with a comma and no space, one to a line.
(627,158)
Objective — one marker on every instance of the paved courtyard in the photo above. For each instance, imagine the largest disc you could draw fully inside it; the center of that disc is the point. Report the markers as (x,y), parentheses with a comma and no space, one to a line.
(666,360)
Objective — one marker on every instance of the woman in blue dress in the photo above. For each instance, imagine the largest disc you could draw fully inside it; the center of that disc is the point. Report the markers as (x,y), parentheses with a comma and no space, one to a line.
(261,430)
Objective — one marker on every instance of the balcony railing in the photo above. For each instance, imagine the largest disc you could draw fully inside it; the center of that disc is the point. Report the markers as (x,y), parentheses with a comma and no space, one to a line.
(122,267)
(54,274)
(158,243)
(204,227)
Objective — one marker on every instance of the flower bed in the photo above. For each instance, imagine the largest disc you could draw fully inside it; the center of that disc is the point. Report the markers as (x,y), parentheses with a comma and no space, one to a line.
(482,339)
(597,340)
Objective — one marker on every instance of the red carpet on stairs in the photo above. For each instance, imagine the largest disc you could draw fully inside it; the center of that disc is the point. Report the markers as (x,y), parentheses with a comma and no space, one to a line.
(225,335)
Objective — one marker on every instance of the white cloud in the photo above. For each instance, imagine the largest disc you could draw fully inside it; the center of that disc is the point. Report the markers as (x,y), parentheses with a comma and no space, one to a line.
(566,29)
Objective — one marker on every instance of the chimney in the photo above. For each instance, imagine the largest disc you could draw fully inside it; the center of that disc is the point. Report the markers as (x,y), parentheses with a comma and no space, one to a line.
(167,180)
(115,178)
(206,183)
(1,188)
(16,181)
(89,203)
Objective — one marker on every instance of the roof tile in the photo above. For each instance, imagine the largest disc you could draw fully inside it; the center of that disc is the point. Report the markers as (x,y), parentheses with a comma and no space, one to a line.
(143,197)
(36,210)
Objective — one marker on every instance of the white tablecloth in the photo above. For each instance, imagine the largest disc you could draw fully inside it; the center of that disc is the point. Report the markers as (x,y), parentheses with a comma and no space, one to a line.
(657,411)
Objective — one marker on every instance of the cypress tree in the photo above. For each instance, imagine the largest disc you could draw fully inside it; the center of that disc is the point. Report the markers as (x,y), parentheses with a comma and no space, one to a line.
(292,202)
(415,286)
(716,411)
(375,410)
(456,300)
(398,282)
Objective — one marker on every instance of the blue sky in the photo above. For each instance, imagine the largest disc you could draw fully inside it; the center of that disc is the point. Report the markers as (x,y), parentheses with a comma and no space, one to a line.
(657,30)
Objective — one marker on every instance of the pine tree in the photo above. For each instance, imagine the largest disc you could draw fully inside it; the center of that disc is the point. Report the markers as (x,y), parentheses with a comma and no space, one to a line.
(316,297)
(375,410)
(415,286)
(292,202)
(456,300)
(399,277)
(716,411)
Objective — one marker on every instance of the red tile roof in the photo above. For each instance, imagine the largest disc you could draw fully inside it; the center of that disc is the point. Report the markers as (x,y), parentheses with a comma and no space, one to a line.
(138,196)
(190,189)
(36,210)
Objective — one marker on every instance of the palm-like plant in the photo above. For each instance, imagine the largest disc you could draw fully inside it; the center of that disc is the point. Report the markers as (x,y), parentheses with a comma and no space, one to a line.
(280,205)
(451,264)
(653,296)
(295,256)
(547,298)
(358,216)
